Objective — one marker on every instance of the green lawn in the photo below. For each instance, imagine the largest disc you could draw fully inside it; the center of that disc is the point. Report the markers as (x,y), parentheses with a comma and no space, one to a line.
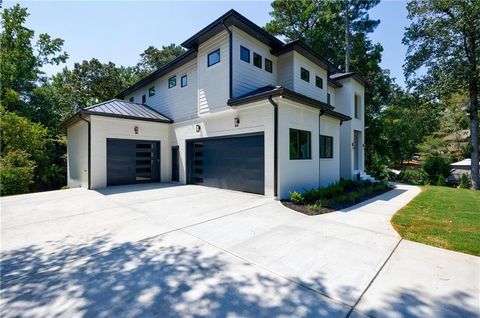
(443,217)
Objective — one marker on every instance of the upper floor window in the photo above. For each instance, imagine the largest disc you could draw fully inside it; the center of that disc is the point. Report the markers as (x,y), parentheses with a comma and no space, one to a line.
(172,81)
(213,58)
(326,147)
(357,107)
(300,146)
(183,81)
(151,91)
(328,98)
(304,74)
(244,54)
(257,60)
(319,82)
(132,99)
(144,99)
(268,65)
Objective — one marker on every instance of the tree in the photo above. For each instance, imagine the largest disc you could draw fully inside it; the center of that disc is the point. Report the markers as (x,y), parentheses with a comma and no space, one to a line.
(152,58)
(444,39)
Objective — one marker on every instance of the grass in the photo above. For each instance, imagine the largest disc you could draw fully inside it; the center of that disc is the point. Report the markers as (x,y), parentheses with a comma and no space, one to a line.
(443,217)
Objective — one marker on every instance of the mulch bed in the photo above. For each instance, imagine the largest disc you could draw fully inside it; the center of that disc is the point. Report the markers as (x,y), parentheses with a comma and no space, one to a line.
(305,209)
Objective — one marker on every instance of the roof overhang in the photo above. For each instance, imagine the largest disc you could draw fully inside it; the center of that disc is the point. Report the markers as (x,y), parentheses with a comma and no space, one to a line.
(354,75)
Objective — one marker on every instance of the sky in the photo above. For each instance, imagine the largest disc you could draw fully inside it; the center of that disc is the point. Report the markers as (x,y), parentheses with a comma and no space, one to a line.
(119,31)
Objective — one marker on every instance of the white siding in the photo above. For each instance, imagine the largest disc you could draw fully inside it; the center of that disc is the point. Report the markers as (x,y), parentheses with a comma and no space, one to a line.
(330,168)
(309,88)
(77,155)
(333,91)
(213,81)
(105,127)
(246,76)
(285,70)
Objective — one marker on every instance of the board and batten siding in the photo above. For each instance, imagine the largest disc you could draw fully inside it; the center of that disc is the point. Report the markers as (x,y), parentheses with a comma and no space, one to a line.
(285,70)
(213,81)
(309,88)
(77,158)
(246,76)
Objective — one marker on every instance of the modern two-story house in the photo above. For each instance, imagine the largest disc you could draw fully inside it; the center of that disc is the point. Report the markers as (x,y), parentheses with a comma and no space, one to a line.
(239,110)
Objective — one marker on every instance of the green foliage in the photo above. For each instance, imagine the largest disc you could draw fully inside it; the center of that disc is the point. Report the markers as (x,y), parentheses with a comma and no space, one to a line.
(152,58)
(413,176)
(441,181)
(296,197)
(464,181)
(16,173)
(435,167)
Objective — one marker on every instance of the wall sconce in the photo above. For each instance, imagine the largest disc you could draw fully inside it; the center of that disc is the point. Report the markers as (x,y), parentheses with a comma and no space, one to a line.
(197,128)
(135,129)
(236,121)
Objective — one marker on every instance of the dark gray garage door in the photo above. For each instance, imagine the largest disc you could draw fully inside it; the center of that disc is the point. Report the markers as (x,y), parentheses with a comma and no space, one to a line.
(132,161)
(235,163)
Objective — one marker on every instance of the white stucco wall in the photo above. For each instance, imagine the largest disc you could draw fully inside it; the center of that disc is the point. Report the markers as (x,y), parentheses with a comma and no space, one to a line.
(77,155)
(107,127)
(330,168)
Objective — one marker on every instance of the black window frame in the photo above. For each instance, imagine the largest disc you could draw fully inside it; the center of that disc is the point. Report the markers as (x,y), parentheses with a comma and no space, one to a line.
(302,71)
(151,91)
(357,106)
(318,80)
(242,50)
(298,150)
(144,98)
(259,58)
(211,54)
(131,99)
(186,80)
(328,98)
(324,142)
(172,84)
(268,62)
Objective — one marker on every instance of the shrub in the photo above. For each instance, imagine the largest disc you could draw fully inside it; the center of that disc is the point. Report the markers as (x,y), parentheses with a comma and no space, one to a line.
(435,166)
(464,181)
(296,197)
(16,173)
(441,181)
(412,176)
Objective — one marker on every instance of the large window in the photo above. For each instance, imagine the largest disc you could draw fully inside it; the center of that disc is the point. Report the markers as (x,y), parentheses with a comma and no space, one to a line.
(172,81)
(300,146)
(244,54)
(304,74)
(257,60)
(326,146)
(183,81)
(268,65)
(213,58)
(319,81)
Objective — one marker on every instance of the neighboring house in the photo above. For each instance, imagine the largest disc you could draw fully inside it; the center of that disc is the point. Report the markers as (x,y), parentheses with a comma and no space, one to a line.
(459,168)
(239,110)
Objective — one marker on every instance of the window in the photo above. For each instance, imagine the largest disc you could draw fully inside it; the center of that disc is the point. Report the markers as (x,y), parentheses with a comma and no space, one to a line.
(319,82)
(213,58)
(357,106)
(132,99)
(257,60)
(144,99)
(244,54)
(300,144)
(268,65)
(183,81)
(304,74)
(328,98)
(151,91)
(326,146)
(172,81)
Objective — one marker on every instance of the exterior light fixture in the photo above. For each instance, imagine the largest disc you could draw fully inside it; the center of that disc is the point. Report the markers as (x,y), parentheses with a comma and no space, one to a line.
(236,121)
(197,128)
(135,129)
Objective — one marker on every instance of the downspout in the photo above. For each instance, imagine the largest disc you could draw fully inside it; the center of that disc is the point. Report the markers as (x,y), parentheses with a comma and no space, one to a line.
(275,145)
(230,57)
(88,150)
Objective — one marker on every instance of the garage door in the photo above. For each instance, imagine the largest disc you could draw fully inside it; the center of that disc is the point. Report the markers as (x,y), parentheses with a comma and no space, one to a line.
(235,163)
(132,161)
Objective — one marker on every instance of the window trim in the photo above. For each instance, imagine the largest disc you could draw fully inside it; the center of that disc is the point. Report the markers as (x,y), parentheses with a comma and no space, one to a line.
(186,80)
(260,58)
(247,50)
(174,77)
(271,65)
(309,134)
(325,138)
(307,72)
(317,78)
(150,90)
(210,54)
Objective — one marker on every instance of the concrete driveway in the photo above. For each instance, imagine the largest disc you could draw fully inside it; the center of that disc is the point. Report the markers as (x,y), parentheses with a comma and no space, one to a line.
(191,251)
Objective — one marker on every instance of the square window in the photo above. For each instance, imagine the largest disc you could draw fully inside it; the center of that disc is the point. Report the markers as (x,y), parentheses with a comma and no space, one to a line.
(183,81)
(132,99)
(300,147)
(244,54)
(172,81)
(304,74)
(213,58)
(319,82)
(257,60)
(326,147)
(151,91)
(144,99)
(268,65)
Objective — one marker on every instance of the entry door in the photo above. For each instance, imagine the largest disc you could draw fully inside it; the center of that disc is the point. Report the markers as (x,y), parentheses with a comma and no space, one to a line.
(132,161)
(175,164)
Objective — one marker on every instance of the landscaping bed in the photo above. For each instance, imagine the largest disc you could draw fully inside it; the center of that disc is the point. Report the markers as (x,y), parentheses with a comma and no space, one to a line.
(340,195)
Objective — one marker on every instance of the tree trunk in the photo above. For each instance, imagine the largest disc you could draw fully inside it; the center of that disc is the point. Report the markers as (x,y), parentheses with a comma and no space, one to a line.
(473,92)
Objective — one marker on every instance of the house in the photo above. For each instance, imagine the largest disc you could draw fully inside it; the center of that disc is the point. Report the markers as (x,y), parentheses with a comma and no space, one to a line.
(460,168)
(239,110)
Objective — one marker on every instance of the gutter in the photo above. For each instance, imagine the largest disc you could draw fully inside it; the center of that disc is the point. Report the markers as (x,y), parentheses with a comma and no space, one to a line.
(230,57)
(89,150)
(275,145)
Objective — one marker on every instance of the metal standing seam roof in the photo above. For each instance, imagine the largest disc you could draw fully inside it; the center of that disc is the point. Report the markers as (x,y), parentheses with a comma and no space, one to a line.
(121,108)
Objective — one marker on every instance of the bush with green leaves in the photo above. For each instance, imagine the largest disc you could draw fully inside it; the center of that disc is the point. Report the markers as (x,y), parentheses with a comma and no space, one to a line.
(441,181)
(436,166)
(17,172)
(296,197)
(464,183)
(412,176)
